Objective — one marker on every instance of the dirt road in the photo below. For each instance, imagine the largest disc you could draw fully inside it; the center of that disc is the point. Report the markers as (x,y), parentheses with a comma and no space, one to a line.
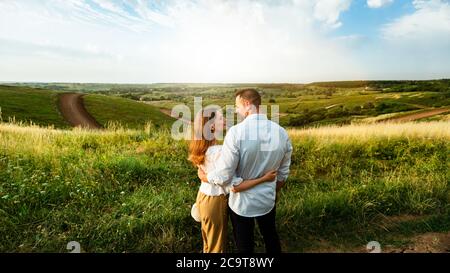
(417,116)
(72,108)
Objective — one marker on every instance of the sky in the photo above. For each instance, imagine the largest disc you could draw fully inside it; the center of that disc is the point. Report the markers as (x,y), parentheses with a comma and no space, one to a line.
(223,41)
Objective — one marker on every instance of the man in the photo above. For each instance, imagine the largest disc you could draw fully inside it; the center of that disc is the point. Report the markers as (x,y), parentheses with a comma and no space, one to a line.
(252,148)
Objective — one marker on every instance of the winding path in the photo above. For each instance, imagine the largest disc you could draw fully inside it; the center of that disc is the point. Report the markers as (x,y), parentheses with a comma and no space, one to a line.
(416,116)
(72,109)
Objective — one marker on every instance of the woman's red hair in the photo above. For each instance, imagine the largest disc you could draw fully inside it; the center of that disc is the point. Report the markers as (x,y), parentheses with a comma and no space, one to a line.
(200,142)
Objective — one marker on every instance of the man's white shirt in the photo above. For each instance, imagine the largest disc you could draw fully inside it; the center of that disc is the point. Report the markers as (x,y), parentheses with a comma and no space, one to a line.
(251,149)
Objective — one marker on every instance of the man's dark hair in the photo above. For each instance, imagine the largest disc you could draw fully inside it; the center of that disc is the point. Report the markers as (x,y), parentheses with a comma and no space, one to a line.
(251,95)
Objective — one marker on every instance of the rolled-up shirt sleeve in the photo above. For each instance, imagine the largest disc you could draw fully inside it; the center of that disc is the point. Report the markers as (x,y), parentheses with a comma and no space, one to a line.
(228,162)
(283,171)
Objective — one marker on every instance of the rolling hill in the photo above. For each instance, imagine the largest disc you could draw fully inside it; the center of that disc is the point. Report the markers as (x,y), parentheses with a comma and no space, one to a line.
(28,104)
(40,106)
(128,113)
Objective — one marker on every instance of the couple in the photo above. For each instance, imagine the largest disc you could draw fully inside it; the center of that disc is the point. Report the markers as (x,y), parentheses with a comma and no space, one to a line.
(240,178)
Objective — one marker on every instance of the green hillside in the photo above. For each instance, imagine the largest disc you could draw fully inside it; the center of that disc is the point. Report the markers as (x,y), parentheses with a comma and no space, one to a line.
(25,104)
(28,104)
(129,113)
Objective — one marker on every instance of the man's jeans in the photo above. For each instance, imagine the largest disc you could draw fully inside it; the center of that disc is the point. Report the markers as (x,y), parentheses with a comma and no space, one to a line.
(243,231)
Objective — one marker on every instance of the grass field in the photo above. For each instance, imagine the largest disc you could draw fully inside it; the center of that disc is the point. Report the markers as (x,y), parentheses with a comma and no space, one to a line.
(39,106)
(120,190)
(301,105)
(129,113)
(28,104)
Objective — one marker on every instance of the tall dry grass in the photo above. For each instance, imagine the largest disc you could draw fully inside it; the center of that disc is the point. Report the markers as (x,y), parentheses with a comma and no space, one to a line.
(366,132)
(119,190)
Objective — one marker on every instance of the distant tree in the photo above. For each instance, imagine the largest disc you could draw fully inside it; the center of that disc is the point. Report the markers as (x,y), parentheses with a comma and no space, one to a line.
(272,101)
(368,105)
(382,106)
(345,111)
(357,109)
(299,120)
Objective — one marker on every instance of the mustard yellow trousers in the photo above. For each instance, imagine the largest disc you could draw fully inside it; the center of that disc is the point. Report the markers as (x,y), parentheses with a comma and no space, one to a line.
(214,219)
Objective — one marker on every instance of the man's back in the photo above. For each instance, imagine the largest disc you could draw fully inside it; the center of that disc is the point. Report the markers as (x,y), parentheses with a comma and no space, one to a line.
(263,146)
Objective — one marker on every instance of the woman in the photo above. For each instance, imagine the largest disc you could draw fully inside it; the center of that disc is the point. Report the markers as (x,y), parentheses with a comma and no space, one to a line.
(212,202)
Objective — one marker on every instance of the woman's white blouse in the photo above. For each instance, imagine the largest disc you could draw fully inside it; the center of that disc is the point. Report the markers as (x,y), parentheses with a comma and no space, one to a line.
(211,157)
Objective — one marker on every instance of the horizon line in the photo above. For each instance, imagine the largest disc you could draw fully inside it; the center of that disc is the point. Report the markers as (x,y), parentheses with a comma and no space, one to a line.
(214,83)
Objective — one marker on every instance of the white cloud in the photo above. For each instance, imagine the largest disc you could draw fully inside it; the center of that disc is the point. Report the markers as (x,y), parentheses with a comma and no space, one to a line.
(214,41)
(329,11)
(429,23)
(174,41)
(375,4)
(108,5)
(415,45)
